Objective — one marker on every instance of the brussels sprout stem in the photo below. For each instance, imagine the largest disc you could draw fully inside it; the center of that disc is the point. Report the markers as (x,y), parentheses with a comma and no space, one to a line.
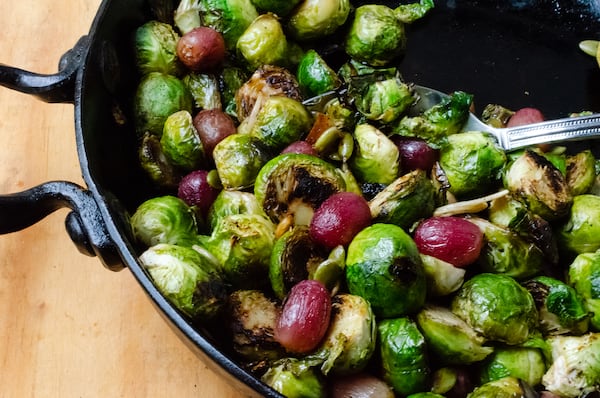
(187,15)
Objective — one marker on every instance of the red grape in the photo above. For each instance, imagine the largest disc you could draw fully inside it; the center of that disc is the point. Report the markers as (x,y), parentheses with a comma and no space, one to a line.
(452,239)
(525,116)
(195,190)
(304,317)
(302,147)
(201,49)
(339,218)
(213,125)
(415,153)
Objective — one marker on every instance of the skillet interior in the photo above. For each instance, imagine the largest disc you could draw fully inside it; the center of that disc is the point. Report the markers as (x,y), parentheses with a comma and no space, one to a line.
(516,53)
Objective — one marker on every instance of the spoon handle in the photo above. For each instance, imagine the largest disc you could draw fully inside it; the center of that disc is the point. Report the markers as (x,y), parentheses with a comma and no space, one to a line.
(567,129)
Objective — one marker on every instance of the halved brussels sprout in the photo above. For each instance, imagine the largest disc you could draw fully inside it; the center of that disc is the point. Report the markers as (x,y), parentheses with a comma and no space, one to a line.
(294,378)
(497,307)
(233,202)
(204,89)
(154,162)
(186,16)
(313,19)
(181,143)
(524,363)
(155,46)
(581,172)
(584,276)
(229,17)
(314,75)
(496,115)
(580,232)
(238,159)
(506,387)
(383,265)
(442,278)
(376,158)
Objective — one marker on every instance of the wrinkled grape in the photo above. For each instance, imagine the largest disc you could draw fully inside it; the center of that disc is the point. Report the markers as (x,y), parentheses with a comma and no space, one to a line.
(195,190)
(213,125)
(415,153)
(201,49)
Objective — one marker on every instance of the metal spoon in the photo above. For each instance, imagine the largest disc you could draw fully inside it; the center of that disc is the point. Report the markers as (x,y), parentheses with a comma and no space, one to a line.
(510,138)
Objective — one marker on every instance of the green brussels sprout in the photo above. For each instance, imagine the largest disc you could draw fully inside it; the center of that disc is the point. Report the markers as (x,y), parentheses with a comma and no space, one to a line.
(403,355)
(186,16)
(581,172)
(186,278)
(439,122)
(280,8)
(383,265)
(575,368)
(497,307)
(314,75)
(496,115)
(233,202)
(410,12)
(159,95)
(229,17)
(381,99)
(181,143)
(351,338)
(450,339)
(154,162)
(580,232)
(164,219)
(279,122)
(251,319)
(539,184)
(524,363)
(472,162)
(561,309)
(294,378)
(376,158)
(230,81)
(584,277)
(406,200)
(442,277)
(204,89)
(294,186)
(313,19)
(238,159)
(504,252)
(506,387)
(265,43)
(155,46)
(243,244)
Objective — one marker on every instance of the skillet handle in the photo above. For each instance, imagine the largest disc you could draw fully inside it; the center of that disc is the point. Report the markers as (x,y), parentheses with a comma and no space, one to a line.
(84,223)
(52,88)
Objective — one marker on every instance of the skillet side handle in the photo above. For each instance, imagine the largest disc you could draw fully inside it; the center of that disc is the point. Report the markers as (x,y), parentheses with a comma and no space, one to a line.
(52,88)
(84,224)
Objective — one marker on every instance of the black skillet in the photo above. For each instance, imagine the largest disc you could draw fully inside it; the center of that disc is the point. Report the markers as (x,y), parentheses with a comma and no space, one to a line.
(512,52)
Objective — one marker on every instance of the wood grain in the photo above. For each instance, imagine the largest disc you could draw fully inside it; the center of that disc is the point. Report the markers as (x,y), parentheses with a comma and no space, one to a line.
(69,327)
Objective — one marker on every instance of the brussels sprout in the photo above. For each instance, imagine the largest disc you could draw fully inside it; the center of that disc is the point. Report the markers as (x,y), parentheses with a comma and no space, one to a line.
(561,309)
(452,381)
(496,115)
(383,265)
(438,122)
(238,159)
(575,368)
(523,363)
(164,219)
(155,46)
(405,201)
(204,89)
(180,141)
(497,307)
(472,162)
(403,355)
(159,95)
(186,278)
(313,19)
(233,202)
(295,257)
(314,75)
(264,43)
(506,387)
(251,319)
(279,122)
(411,12)
(230,81)
(376,158)
(540,185)
(450,339)
(584,277)
(350,340)
(580,232)
(294,185)
(442,277)
(229,17)
(278,7)
(581,172)
(155,163)
(294,378)
(504,252)
(243,244)
(187,15)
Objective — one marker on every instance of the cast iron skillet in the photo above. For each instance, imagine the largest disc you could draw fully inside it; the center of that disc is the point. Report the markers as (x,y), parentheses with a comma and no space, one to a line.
(512,52)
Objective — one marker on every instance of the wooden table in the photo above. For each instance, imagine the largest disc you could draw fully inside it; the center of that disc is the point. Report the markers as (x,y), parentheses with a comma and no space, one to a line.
(69,327)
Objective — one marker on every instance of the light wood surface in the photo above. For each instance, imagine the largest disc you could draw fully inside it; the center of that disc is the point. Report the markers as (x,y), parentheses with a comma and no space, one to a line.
(69,327)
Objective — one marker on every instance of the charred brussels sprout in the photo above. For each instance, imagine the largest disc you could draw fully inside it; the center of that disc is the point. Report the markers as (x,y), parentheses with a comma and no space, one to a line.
(472,162)
(164,219)
(156,48)
(403,355)
(294,378)
(155,163)
(313,19)
(158,96)
(506,387)
(560,307)
(294,185)
(314,75)
(376,158)
(524,363)
(539,184)
(186,278)
(233,202)
(584,276)
(497,307)
(575,369)
(580,232)
(229,17)
(581,172)
(383,265)
(238,159)
(180,141)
